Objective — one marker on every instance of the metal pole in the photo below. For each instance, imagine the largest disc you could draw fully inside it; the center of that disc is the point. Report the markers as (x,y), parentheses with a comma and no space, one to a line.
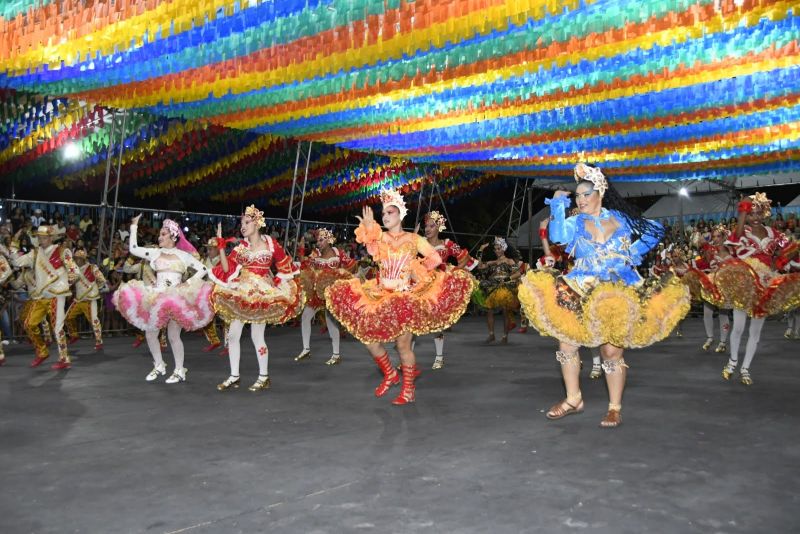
(513,202)
(116,186)
(291,197)
(302,201)
(419,201)
(104,198)
(530,226)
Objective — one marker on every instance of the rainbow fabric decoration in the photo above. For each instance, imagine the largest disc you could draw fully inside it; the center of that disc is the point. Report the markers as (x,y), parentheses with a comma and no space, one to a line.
(656,90)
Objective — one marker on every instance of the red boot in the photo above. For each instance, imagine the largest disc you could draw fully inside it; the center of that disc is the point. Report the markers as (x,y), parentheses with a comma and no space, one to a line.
(390,376)
(406,395)
(73,340)
(137,342)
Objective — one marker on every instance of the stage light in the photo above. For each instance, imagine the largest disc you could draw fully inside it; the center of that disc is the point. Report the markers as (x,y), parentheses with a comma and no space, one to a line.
(72,151)
(683,192)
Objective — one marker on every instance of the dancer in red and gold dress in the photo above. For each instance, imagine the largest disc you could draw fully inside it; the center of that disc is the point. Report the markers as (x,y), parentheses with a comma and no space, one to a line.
(751,283)
(409,297)
(249,294)
(448,250)
(318,271)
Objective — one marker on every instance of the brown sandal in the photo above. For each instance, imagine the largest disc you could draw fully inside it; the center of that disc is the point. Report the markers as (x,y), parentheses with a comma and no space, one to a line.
(557,411)
(612,419)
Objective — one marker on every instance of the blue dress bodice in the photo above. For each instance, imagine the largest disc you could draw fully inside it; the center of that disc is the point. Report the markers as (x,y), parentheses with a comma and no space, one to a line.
(612,261)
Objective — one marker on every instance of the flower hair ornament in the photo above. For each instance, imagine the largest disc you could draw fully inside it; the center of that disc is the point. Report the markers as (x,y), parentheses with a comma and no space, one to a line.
(438,219)
(323,234)
(256,215)
(500,242)
(591,174)
(181,243)
(761,204)
(720,229)
(392,197)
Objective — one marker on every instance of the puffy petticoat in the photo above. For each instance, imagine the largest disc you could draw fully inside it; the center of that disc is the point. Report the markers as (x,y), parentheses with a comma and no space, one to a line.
(610,312)
(316,281)
(251,298)
(502,298)
(376,315)
(693,279)
(751,286)
(149,308)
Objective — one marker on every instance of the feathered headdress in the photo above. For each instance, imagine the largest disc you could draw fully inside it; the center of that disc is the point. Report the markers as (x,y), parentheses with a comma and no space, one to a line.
(591,174)
(438,219)
(392,197)
(256,215)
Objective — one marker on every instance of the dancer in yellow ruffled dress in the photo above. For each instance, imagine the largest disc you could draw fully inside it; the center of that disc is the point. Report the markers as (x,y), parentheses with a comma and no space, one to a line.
(409,297)
(499,280)
(602,301)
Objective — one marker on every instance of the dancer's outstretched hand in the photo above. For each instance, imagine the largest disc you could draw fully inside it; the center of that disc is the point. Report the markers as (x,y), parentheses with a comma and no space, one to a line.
(561,193)
(219,229)
(367,218)
(135,220)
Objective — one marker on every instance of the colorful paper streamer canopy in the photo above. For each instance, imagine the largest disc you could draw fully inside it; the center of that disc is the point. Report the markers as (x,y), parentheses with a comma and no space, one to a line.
(656,90)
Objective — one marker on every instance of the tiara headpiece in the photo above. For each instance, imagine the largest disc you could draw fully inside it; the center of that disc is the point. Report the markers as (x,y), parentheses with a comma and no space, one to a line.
(323,234)
(438,219)
(392,197)
(256,215)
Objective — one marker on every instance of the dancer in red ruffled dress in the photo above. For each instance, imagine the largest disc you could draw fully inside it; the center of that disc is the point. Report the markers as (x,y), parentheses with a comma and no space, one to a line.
(318,271)
(711,257)
(448,250)
(750,282)
(249,294)
(409,297)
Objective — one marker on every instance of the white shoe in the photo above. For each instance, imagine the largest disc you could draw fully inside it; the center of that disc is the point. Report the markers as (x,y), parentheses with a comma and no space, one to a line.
(157,370)
(438,363)
(179,375)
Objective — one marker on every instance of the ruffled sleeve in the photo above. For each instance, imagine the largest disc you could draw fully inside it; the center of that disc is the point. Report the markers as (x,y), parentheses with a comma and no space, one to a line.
(370,238)
(283,262)
(432,259)
(642,246)
(233,263)
(561,229)
(346,261)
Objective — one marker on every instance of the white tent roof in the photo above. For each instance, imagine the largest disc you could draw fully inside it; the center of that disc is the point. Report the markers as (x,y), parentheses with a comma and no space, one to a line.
(520,239)
(693,206)
(640,189)
(794,203)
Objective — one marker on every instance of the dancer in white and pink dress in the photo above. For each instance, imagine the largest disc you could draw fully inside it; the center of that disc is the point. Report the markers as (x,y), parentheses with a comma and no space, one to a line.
(172,302)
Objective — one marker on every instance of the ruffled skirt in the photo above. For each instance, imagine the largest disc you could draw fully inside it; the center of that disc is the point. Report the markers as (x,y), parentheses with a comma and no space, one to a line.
(751,286)
(376,315)
(151,309)
(316,281)
(611,312)
(251,298)
(500,297)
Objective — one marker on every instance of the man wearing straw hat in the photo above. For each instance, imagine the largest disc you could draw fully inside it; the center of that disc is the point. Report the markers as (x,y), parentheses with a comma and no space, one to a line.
(54,272)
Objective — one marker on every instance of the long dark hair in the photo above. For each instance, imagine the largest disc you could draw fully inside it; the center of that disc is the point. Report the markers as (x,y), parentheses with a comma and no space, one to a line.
(612,200)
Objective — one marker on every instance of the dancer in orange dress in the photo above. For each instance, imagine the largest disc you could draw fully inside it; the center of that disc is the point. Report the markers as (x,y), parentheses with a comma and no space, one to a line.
(318,271)
(409,297)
